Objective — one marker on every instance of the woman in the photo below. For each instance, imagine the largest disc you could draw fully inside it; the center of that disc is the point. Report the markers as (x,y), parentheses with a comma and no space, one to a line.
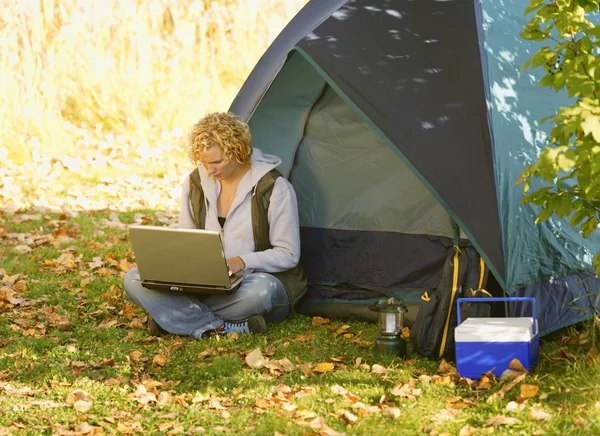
(236,191)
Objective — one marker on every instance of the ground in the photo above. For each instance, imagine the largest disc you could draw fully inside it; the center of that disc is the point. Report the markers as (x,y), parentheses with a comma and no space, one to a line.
(77,358)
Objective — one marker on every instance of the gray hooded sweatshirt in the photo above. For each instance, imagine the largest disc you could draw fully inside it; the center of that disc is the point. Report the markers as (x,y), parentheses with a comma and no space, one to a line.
(238,239)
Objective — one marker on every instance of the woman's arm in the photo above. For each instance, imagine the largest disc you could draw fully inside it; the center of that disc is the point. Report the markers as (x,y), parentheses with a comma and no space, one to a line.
(284,232)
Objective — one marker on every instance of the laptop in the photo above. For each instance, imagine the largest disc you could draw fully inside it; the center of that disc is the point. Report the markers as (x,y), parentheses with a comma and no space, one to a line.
(182,260)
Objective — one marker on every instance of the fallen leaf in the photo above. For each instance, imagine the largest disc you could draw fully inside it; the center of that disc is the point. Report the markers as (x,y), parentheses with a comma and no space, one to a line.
(128,428)
(564,354)
(592,353)
(164,426)
(446,369)
(484,384)
(377,369)
(507,387)
(404,391)
(23,249)
(391,412)
(529,391)
(135,355)
(82,405)
(501,420)
(160,360)
(467,430)
(318,424)
(425,379)
(142,396)
(255,359)
(324,367)
(349,417)
(306,369)
(163,398)
(539,414)
(77,395)
(517,365)
(305,338)
(509,374)
(445,415)
(317,321)
(513,406)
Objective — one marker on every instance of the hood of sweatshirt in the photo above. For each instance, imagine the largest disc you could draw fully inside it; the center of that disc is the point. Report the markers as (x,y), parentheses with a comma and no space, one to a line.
(261,164)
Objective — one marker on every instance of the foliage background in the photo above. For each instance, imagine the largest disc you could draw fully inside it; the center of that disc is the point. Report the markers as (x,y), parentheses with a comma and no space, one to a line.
(96,96)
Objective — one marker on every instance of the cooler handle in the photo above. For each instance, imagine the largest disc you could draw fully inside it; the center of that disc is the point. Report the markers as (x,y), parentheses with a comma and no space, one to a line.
(498,299)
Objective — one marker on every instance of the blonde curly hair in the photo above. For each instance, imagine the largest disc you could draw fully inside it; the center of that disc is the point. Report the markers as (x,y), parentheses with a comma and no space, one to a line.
(224,130)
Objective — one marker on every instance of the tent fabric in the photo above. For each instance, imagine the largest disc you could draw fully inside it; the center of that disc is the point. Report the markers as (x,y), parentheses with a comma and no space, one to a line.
(552,249)
(397,70)
(391,133)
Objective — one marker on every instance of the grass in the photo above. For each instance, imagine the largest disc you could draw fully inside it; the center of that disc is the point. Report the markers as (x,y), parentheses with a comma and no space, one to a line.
(80,333)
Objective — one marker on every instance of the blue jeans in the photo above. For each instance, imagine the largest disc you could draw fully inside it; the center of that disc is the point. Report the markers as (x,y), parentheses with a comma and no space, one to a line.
(192,315)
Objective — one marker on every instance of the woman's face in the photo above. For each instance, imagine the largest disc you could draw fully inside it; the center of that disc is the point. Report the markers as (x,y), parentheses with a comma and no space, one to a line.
(216,165)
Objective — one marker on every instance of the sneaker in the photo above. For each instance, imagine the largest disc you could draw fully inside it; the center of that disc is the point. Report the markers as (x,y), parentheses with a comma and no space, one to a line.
(155,329)
(255,324)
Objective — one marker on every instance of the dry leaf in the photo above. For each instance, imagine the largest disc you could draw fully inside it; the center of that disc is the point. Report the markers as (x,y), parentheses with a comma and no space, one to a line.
(163,398)
(306,369)
(164,426)
(501,420)
(255,359)
(445,415)
(77,395)
(324,367)
(317,321)
(506,388)
(467,430)
(446,369)
(135,355)
(404,391)
(318,424)
(517,365)
(349,417)
(592,353)
(509,374)
(484,384)
(377,369)
(564,354)
(391,412)
(513,406)
(529,391)
(160,360)
(539,414)
(425,379)
(82,405)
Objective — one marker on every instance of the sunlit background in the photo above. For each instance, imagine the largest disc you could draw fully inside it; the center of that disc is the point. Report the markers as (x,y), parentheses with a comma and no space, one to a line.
(96,95)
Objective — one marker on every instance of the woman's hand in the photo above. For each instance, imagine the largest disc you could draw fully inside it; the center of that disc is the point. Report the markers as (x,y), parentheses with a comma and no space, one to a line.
(235,264)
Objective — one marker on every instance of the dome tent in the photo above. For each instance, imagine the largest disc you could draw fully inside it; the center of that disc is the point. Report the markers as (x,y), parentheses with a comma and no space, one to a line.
(395,119)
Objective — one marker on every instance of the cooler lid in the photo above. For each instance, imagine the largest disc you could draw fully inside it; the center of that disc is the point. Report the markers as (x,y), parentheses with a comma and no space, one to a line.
(494,330)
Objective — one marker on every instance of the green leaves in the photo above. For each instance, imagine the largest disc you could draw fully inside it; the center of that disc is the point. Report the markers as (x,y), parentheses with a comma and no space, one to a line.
(570,165)
(591,125)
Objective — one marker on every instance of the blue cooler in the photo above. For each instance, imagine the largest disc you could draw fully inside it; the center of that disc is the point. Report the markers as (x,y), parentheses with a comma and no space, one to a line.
(490,344)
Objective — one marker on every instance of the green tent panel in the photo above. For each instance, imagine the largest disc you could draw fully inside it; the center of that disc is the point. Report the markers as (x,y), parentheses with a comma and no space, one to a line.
(395,119)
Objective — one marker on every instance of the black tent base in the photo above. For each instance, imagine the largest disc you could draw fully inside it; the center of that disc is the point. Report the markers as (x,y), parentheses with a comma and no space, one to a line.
(354,311)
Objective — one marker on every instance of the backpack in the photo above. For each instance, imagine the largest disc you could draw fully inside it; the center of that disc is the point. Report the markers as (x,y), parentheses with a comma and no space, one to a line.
(464,274)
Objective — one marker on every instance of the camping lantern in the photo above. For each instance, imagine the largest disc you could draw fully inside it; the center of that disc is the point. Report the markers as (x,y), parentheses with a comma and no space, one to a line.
(391,322)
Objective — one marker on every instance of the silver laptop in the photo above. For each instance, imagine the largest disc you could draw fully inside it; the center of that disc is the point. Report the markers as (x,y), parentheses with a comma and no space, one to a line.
(182,260)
